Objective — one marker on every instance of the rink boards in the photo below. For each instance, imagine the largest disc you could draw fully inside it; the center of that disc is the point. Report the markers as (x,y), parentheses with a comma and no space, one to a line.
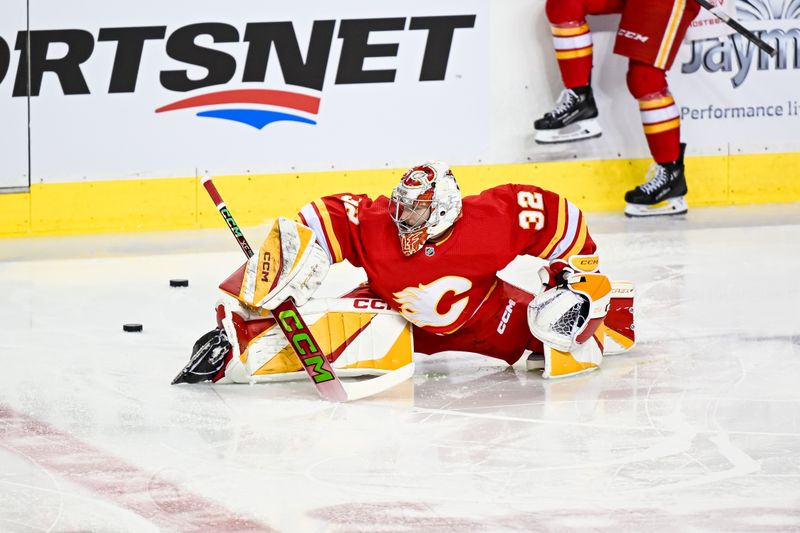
(111,116)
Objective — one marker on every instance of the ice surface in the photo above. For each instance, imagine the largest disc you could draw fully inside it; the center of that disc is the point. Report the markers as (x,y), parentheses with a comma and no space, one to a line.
(697,429)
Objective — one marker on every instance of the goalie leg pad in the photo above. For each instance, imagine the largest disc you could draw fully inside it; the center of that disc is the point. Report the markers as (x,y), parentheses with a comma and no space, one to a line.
(619,323)
(359,336)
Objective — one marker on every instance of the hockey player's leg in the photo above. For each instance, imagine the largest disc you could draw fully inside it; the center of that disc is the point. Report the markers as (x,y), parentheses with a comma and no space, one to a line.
(574,116)
(665,189)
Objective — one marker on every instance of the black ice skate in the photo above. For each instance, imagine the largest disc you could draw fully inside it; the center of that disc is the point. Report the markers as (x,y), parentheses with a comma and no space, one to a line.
(208,358)
(573,118)
(535,361)
(663,194)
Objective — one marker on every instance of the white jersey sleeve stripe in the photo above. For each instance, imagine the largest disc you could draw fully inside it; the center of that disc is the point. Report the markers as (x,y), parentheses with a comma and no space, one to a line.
(573,217)
(312,221)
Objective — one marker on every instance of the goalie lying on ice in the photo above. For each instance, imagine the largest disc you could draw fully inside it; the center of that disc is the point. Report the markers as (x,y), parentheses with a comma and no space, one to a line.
(437,291)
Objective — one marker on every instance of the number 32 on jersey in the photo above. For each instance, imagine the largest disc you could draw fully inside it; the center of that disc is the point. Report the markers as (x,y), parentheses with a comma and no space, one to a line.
(533,210)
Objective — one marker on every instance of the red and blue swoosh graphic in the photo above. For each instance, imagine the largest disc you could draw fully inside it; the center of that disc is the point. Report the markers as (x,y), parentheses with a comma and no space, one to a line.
(255,117)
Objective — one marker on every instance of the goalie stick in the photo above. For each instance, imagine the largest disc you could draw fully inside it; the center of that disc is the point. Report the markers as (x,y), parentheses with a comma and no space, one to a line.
(298,334)
(741,30)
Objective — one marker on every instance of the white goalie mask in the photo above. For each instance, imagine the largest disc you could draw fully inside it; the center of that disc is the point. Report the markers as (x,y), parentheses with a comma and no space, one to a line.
(425,204)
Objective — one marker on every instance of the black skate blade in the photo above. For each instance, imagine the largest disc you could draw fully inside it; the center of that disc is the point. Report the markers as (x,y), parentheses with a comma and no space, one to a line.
(208,358)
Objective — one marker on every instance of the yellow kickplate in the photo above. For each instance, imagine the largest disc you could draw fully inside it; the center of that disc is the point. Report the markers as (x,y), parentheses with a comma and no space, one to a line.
(562,363)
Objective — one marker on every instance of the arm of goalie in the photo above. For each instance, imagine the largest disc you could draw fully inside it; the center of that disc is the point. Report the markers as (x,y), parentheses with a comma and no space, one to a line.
(289,264)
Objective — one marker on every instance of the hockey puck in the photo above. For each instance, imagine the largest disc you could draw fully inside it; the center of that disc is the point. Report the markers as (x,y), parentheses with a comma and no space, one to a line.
(132,327)
(179,283)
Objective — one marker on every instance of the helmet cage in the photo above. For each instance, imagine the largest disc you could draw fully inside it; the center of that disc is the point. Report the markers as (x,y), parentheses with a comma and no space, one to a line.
(425,204)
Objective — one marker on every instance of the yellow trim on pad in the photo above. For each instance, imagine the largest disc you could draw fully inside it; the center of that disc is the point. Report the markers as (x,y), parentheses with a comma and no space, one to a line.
(182,203)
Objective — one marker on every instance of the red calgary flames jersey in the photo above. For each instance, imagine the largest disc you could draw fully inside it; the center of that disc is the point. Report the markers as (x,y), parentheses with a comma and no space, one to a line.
(443,285)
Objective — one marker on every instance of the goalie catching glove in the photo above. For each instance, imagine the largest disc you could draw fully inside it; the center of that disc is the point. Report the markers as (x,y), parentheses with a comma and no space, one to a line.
(568,312)
(572,305)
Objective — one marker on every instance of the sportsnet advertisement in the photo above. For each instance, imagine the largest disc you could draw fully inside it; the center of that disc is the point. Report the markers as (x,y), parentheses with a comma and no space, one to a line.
(13,111)
(175,89)
(161,89)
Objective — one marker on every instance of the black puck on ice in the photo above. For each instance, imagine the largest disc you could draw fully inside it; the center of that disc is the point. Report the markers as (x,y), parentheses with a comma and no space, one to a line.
(132,327)
(179,283)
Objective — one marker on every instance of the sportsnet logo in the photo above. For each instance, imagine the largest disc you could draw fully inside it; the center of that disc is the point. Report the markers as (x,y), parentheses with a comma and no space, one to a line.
(257,118)
(220,55)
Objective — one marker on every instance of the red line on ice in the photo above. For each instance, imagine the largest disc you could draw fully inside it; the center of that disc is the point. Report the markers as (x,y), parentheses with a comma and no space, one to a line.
(160,501)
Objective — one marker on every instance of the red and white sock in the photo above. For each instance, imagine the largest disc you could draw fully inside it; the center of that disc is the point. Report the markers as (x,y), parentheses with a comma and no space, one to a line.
(573,45)
(662,126)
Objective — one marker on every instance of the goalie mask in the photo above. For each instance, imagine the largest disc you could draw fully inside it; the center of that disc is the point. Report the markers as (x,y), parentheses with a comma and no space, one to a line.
(425,204)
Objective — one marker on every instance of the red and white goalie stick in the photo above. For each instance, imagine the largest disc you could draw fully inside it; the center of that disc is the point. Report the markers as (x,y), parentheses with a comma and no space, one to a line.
(316,365)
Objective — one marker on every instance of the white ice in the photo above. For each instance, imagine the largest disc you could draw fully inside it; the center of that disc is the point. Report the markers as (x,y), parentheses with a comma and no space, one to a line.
(696,429)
